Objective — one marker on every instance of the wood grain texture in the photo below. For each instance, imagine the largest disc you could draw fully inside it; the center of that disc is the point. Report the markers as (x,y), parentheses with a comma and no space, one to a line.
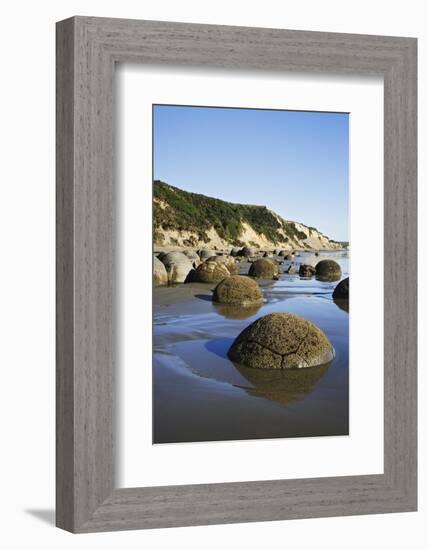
(87,49)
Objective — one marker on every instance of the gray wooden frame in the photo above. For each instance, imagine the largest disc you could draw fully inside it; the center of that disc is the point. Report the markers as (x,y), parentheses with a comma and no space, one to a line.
(87,50)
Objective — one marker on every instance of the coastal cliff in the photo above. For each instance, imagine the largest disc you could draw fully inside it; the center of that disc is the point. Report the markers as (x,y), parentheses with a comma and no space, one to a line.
(185,219)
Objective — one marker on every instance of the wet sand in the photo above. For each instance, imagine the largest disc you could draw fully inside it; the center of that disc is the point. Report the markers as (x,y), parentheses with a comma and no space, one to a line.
(200,395)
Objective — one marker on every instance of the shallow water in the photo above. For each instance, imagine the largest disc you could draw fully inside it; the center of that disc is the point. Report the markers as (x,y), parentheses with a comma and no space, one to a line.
(200,395)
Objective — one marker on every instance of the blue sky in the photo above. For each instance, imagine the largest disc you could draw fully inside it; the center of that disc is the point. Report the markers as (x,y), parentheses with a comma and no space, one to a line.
(294,162)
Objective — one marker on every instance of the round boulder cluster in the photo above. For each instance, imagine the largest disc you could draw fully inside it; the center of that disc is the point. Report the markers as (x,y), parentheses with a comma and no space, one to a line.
(210,272)
(228,261)
(264,269)
(328,270)
(281,341)
(306,270)
(238,290)
(177,265)
(160,276)
(341,292)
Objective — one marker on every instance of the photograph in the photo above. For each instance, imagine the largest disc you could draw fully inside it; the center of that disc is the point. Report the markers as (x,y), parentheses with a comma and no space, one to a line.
(250,274)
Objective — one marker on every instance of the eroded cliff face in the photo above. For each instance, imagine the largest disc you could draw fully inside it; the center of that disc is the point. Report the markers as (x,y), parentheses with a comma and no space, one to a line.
(185,219)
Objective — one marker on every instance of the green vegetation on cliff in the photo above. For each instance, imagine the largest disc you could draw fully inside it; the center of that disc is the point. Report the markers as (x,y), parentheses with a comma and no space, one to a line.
(194,212)
(178,210)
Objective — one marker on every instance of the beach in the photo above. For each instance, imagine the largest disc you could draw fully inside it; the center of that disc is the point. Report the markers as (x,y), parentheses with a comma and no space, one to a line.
(199,394)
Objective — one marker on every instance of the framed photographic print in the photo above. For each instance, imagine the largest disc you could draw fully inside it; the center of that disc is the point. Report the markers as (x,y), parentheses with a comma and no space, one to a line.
(217,188)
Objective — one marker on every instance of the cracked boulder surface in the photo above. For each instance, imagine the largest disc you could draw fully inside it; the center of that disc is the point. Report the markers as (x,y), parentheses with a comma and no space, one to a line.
(281,341)
(238,290)
(210,272)
(228,261)
(264,269)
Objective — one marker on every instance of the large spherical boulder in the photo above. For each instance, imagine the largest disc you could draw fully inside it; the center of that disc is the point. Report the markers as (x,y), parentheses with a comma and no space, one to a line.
(328,270)
(306,270)
(238,290)
(206,253)
(210,272)
(264,269)
(178,267)
(160,276)
(228,261)
(341,292)
(281,341)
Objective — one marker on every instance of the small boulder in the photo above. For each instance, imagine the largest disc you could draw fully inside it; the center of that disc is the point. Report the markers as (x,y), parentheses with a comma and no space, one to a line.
(206,253)
(235,252)
(160,276)
(247,252)
(264,269)
(341,292)
(210,272)
(191,254)
(328,270)
(291,270)
(306,270)
(238,290)
(281,341)
(178,267)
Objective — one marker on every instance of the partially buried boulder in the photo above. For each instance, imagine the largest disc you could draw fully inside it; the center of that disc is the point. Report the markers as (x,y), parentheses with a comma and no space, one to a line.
(306,270)
(264,269)
(210,272)
(178,267)
(160,276)
(228,261)
(238,290)
(328,270)
(341,292)
(281,341)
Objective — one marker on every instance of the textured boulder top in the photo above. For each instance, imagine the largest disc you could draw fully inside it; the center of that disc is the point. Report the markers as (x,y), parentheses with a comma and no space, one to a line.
(328,270)
(281,341)
(341,292)
(238,290)
(263,269)
(173,257)
(210,272)
(228,261)
(205,253)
